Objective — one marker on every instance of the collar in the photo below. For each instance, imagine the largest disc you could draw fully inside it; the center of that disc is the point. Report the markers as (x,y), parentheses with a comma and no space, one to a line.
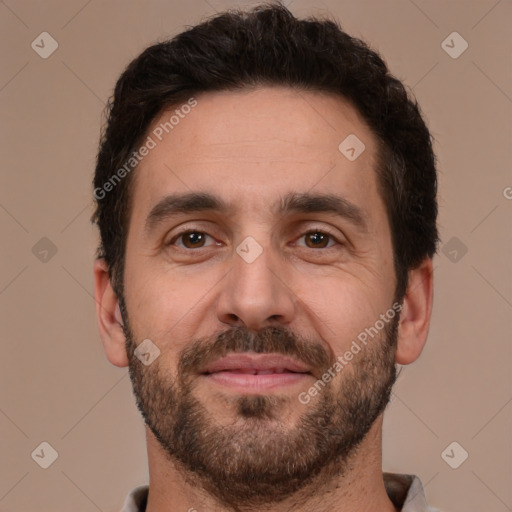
(405,491)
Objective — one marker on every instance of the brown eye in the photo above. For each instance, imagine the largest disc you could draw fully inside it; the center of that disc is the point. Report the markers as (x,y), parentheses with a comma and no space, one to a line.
(193,240)
(317,239)
(190,240)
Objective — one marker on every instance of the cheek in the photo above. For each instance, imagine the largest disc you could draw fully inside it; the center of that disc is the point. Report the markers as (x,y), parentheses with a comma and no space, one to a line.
(341,308)
(164,306)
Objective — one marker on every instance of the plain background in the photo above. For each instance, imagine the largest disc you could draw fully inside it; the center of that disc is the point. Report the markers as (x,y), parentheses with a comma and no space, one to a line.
(56,384)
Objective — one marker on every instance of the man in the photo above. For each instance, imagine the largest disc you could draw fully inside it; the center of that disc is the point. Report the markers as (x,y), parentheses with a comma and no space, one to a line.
(266,199)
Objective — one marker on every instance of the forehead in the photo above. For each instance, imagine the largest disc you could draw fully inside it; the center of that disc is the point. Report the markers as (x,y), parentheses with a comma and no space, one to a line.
(257,144)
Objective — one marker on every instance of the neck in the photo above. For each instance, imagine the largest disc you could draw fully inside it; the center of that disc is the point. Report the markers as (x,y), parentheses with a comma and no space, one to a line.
(359,489)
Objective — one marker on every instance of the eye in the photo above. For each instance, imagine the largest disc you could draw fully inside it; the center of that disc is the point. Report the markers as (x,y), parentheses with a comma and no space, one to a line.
(318,240)
(191,240)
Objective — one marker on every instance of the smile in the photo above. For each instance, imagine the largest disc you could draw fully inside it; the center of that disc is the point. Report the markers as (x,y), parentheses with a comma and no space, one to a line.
(255,372)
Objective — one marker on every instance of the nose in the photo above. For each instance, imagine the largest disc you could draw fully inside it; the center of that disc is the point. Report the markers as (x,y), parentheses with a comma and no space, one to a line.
(254,294)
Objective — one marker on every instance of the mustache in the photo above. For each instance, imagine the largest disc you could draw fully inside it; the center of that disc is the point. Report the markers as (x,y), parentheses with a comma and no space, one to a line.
(271,339)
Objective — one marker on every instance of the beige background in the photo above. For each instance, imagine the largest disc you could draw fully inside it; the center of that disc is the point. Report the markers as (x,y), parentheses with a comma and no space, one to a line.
(56,385)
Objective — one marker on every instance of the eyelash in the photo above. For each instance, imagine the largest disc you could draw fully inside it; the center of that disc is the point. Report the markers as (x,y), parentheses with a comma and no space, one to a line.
(187,232)
(322,231)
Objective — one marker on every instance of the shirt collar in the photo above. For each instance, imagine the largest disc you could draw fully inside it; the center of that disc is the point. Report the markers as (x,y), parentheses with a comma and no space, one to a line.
(405,491)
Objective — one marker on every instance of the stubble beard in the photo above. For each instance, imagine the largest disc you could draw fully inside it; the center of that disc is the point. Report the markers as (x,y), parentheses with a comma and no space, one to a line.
(258,459)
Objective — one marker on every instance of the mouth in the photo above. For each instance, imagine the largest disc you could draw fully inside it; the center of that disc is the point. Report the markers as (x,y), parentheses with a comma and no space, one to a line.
(254,372)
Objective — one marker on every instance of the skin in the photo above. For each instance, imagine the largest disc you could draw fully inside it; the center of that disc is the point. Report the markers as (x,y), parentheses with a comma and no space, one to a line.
(251,148)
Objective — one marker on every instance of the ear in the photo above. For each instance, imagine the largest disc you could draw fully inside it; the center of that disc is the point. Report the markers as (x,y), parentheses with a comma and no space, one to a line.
(109,316)
(415,314)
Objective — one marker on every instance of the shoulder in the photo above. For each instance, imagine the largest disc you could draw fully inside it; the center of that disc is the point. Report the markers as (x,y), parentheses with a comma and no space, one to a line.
(407,493)
(136,499)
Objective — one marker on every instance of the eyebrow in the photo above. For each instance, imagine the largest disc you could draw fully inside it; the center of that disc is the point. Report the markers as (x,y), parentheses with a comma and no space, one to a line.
(192,202)
(195,202)
(327,203)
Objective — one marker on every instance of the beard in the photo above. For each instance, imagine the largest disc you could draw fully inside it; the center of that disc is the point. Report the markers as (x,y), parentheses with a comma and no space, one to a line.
(258,458)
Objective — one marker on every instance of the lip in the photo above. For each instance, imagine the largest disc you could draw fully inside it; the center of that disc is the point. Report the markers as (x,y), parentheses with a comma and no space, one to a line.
(256,363)
(253,372)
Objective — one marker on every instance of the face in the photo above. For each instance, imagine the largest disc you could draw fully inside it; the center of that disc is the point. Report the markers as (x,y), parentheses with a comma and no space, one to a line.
(258,258)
